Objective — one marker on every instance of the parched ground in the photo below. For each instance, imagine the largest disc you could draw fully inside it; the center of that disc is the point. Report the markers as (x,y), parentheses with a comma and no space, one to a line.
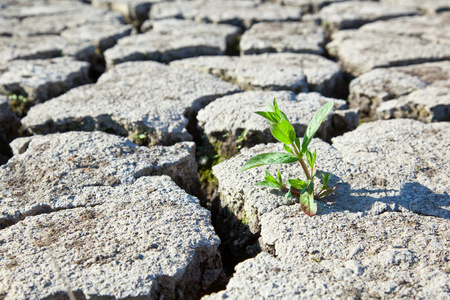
(124,125)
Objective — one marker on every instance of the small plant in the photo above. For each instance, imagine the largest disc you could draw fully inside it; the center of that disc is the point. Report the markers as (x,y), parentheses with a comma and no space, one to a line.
(140,139)
(241,138)
(19,104)
(284,132)
(17,98)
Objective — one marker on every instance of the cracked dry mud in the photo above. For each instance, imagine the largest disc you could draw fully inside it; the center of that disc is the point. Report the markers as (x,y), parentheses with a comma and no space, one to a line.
(124,123)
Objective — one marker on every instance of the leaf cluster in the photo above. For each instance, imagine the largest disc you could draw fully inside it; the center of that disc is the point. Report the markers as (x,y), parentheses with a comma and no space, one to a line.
(296,151)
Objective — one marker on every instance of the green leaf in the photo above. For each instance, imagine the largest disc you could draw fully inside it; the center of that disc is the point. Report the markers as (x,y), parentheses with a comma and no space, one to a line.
(288,149)
(308,204)
(283,116)
(276,109)
(297,144)
(328,192)
(298,183)
(283,131)
(267,184)
(275,116)
(270,178)
(325,178)
(267,116)
(280,180)
(269,159)
(315,123)
(309,158)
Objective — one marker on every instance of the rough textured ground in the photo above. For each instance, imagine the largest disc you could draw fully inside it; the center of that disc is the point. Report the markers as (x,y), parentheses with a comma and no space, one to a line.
(40,80)
(234,114)
(149,239)
(297,37)
(115,115)
(351,14)
(61,171)
(399,179)
(343,255)
(277,71)
(174,39)
(153,99)
(360,244)
(236,12)
(417,91)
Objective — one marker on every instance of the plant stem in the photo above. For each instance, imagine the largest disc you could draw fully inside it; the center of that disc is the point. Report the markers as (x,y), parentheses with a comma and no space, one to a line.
(302,162)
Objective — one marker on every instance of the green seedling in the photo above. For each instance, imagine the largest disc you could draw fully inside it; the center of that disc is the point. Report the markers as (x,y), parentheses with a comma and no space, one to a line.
(17,98)
(284,132)
(241,138)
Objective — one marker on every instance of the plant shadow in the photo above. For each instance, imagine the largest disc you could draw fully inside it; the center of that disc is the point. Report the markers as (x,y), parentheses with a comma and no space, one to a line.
(412,196)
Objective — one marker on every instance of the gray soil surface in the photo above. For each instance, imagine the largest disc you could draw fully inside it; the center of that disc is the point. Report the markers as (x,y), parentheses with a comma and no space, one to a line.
(124,125)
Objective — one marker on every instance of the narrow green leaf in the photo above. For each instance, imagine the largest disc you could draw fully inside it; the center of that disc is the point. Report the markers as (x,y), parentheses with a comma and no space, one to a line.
(297,144)
(308,204)
(298,183)
(267,184)
(288,149)
(269,159)
(270,178)
(283,116)
(315,123)
(283,132)
(276,109)
(327,192)
(325,178)
(267,116)
(275,116)
(309,158)
(280,180)
(314,156)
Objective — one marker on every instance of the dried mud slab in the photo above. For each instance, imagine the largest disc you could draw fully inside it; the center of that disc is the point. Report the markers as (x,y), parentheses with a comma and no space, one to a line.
(42,30)
(278,71)
(148,239)
(431,28)
(428,6)
(360,243)
(360,51)
(54,18)
(399,179)
(173,39)
(309,5)
(42,47)
(242,13)
(233,117)
(60,171)
(346,255)
(135,98)
(421,87)
(295,37)
(428,105)
(40,80)
(354,14)
(133,10)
